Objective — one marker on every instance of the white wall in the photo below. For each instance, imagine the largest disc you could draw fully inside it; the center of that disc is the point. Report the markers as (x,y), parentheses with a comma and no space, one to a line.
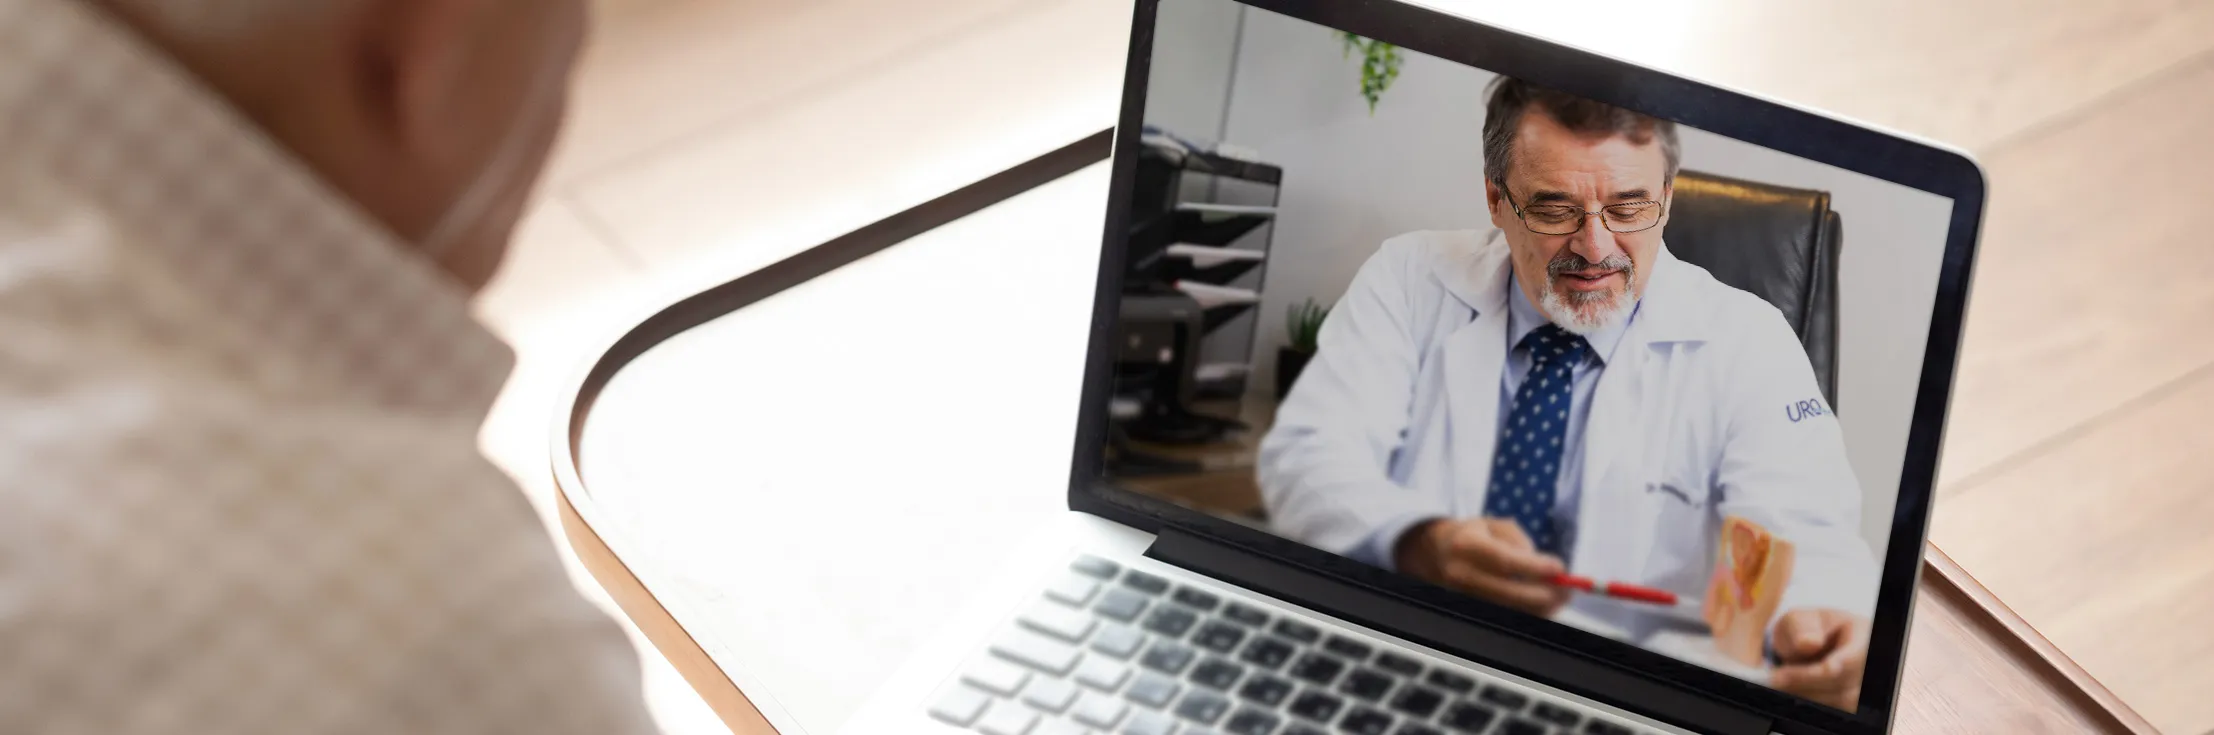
(1192,52)
(1352,180)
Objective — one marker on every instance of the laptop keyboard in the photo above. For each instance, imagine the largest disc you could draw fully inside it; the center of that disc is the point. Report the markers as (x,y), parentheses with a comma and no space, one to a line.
(1113,651)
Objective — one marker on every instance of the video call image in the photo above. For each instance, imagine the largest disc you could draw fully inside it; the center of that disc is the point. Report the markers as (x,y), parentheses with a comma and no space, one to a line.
(1565,358)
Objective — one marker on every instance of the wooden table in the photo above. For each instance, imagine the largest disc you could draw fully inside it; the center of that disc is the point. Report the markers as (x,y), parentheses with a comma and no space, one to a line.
(707,478)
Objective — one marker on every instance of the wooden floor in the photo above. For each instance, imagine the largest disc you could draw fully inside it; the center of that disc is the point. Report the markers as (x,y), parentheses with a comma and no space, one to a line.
(714,136)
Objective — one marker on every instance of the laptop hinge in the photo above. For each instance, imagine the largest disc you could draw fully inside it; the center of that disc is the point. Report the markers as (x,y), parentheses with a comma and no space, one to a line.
(1437,630)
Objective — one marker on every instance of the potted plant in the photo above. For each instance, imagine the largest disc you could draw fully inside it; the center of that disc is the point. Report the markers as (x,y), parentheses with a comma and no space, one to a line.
(1304,326)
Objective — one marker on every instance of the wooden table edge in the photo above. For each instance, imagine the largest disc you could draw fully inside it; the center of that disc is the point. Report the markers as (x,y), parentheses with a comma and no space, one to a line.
(2016,632)
(672,640)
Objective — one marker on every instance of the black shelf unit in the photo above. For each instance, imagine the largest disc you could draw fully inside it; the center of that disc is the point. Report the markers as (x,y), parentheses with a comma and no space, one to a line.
(1160,370)
(1202,162)
(1151,238)
(1165,184)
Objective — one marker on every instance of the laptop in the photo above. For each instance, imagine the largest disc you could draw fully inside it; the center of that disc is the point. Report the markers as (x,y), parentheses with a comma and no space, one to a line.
(1443,379)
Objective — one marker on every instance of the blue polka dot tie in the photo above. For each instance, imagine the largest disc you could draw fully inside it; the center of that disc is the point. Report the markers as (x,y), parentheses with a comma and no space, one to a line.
(1526,462)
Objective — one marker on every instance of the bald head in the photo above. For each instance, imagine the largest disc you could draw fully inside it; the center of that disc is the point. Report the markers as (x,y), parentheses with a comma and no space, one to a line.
(433,116)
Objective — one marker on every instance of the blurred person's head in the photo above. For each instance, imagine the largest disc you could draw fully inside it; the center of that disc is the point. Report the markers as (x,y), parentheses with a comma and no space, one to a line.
(434,116)
(1581,190)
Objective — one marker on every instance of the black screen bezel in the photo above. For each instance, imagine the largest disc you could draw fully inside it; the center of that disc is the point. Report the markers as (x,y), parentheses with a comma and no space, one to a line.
(1760,122)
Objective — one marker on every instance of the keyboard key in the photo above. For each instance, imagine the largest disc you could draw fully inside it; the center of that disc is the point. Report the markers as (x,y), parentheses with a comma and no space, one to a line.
(996,676)
(1417,702)
(1120,605)
(1036,651)
(1201,599)
(1450,681)
(1247,721)
(1051,695)
(1202,706)
(1170,620)
(1095,567)
(1267,652)
(1416,728)
(1317,706)
(1247,615)
(1148,723)
(1519,726)
(1073,590)
(1167,658)
(1398,664)
(1058,726)
(1118,641)
(1217,674)
(1507,699)
(1144,582)
(1297,631)
(1556,715)
(1098,711)
(1317,669)
(1303,729)
(1101,674)
(960,705)
(1219,637)
(1347,647)
(1066,623)
(1152,691)
(1265,690)
(1365,721)
(1007,718)
(1603,727)
(1366,684)
(1468,717)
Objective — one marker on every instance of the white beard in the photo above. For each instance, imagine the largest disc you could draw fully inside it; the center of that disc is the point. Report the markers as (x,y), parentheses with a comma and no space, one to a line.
(1586,318)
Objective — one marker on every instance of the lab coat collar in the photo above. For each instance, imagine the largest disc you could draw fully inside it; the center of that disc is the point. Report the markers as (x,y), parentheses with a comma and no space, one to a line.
(1669,311)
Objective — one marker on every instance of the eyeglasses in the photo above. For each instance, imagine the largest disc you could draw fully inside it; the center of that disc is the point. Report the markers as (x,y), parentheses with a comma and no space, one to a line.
(1562,219)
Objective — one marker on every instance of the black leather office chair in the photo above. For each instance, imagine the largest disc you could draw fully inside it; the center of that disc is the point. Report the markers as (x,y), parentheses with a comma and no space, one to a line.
(1778,243)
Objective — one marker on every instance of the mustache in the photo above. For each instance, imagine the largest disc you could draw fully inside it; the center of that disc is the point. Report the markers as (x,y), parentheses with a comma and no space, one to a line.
(1567,261)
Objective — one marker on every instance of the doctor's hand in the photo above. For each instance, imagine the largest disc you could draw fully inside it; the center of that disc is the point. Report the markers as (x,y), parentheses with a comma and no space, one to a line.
(1487,557)
(1823,654)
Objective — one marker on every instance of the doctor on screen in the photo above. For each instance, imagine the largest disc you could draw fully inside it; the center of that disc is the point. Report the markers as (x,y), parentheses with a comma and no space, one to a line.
(1488,409)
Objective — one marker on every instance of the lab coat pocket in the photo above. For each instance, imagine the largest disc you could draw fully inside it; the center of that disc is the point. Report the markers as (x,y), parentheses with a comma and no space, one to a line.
(1682,515)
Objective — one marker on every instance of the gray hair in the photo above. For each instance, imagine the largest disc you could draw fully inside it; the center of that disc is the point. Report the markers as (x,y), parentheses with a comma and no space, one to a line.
(1511,97)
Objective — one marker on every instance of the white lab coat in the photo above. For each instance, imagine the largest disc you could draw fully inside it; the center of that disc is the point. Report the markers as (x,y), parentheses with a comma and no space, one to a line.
(1700,414)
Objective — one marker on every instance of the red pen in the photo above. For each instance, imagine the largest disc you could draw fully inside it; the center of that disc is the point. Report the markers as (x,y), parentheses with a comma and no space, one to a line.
(1618,590)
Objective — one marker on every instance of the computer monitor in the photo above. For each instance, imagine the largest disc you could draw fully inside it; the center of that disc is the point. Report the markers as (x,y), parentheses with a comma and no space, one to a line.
(1631,363)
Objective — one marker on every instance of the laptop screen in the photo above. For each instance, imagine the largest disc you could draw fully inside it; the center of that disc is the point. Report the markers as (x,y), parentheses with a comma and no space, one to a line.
(1634,377)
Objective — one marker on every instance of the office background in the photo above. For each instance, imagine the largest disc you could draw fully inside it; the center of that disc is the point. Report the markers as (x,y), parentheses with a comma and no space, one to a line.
(1287,90)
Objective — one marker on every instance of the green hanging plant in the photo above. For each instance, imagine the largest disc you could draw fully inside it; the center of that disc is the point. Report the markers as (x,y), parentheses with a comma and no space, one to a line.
(1379,66)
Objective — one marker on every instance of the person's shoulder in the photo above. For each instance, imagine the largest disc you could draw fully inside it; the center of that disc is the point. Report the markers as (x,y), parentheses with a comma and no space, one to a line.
(1429,246)
(1726,308)
(1751,355)
(1412,275)
(1426,256)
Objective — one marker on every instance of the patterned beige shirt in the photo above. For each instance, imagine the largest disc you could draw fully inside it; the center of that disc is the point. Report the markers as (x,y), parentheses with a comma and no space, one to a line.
(239,483)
